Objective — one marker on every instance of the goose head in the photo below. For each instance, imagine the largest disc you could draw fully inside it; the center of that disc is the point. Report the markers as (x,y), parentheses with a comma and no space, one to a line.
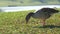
(29,16)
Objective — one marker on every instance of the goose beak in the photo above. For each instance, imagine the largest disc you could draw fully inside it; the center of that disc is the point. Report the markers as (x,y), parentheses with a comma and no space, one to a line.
(26,21)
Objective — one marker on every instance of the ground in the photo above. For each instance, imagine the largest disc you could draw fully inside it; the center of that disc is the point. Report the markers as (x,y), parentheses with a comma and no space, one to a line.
(14,23)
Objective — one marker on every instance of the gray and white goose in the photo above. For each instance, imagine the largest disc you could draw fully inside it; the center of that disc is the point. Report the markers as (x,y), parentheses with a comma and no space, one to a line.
(42,14)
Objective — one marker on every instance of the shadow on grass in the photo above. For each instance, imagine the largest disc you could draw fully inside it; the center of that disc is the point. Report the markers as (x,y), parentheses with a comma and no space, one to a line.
(47,26)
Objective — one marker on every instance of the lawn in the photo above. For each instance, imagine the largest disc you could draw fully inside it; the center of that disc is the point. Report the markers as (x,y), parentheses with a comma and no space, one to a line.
(14,23)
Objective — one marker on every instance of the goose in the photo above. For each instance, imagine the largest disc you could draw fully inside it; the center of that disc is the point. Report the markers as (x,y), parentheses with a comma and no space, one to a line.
(43,14)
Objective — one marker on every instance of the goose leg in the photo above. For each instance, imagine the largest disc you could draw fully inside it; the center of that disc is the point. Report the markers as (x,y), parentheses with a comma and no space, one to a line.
(43,22)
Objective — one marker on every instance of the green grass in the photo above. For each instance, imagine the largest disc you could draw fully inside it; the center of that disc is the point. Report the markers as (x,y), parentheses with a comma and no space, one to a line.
(14,23)
(5,3)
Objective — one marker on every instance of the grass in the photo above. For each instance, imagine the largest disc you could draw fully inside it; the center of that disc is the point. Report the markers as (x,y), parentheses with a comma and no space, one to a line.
(14,23)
